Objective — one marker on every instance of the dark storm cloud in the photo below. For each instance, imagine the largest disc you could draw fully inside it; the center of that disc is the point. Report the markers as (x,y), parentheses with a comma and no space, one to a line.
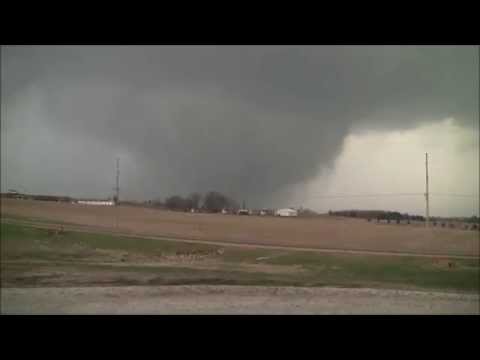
(245,120)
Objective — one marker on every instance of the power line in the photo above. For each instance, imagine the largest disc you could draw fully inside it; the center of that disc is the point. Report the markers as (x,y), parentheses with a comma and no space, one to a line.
(366,195)
(458,195)
(390,194)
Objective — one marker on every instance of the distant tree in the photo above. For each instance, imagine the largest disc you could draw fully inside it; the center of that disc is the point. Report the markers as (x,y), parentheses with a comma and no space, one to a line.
(473,219)
(157,203)
(176,203)
(215,202)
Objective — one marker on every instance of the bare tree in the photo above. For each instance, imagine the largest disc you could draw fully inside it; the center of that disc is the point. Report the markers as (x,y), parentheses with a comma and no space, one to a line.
(215,202)
(176,203)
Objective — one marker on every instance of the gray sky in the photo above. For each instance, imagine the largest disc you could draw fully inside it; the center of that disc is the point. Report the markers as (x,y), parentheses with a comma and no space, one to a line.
(274,125)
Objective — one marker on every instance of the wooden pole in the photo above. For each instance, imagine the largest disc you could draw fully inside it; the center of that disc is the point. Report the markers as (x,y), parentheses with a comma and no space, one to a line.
(427,218)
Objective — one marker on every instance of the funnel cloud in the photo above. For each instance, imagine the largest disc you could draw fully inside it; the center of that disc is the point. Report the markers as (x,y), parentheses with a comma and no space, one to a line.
(249,121)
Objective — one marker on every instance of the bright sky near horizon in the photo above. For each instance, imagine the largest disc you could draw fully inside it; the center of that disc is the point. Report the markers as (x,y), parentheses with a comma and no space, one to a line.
(393,162)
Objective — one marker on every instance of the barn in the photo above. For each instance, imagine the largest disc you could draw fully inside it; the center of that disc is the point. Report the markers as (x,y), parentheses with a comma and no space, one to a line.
(286,212)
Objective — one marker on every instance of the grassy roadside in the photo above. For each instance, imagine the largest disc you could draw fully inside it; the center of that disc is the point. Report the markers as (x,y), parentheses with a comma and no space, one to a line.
(33,219)
(39,257)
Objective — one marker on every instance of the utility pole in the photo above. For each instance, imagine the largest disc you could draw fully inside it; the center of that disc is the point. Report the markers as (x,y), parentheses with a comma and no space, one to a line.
(117,192)
(117,187)
(427,218)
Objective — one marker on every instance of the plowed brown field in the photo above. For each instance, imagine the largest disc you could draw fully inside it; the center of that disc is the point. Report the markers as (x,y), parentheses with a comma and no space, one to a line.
(321,232)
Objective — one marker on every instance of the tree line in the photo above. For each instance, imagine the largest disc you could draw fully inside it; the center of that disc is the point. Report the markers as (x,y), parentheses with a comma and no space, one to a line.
(212,201)
(394,215)
(377,214)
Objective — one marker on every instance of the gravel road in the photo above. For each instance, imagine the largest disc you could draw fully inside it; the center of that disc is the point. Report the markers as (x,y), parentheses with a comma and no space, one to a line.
(232,300)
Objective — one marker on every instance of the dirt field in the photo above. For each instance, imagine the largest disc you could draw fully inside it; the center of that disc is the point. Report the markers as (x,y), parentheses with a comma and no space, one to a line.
(232,300)
(51,269)
(47,257)
(320,232)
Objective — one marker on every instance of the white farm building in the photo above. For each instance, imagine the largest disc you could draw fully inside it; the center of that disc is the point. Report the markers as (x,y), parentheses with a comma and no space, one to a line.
(96,202)
(286,212)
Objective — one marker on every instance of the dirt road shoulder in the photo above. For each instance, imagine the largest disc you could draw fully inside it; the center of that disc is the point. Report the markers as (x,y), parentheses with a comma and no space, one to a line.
(232,300)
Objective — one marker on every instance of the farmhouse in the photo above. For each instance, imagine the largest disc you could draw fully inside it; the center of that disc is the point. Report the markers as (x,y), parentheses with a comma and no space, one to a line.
(286,212)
